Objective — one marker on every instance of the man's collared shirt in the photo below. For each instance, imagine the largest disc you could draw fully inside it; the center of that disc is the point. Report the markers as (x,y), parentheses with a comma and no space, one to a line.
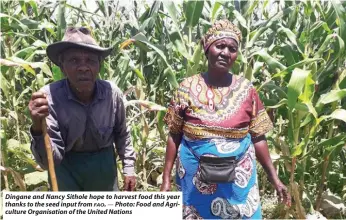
(74,126)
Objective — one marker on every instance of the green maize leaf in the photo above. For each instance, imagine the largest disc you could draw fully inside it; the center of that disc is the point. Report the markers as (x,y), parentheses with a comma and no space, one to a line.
(298,150)
(281,103)
(197,54)
(267,25)
(141,45)
(135,69)
(341,47)
(102,72)
(193,12)
(179,44)
(21,95)
(140,37)
(21,25)
(311,108)
(241,58)
(160,124)
(276,89)
(306,121)
(257,67)
(24,9)
(295,86)
(332,141)
(332,96)
(272,62)
(146,104)
(251,8)
(309,89)
(249,72)
(215,10)
(12,144)
(28,66)
(155,8)
(170,74)
(301,107)
(240,18)
(40,80)
(57,74)
(268,102)
(292,19)
(342,84)
(36,178)
(330,150)
(5,86)
(39,43)
(339,114)
(61,21)
(254,35)
(189,71)
(341,17)
(34,7)
(172,11)
(317,25)
(292,67)
(147,24)
(291,36)
(44,67)
(22,53)
(171,77)
(31,24)
(289,54)
(17,179)
(324,46)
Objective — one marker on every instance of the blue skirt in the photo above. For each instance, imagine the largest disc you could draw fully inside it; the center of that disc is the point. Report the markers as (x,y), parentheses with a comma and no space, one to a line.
(239,199)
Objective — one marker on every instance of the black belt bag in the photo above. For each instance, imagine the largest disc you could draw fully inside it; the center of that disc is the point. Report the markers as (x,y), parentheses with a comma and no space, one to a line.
(216,169)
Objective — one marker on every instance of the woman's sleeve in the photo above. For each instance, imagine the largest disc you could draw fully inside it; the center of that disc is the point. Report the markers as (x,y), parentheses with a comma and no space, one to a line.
(260,122)
(174,117)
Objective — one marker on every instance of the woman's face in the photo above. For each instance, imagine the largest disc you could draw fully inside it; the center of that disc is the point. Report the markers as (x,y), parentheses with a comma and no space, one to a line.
(222,54)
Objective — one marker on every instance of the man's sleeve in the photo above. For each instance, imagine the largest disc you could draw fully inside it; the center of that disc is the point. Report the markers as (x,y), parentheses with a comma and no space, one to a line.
(38,146)
(122,137)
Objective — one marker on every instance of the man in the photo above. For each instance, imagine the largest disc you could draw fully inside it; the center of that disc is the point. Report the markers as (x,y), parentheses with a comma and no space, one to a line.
(84,116)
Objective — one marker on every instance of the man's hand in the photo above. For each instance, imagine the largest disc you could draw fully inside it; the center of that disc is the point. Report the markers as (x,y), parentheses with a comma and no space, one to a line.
(38,107)
(166,186)
(129,183)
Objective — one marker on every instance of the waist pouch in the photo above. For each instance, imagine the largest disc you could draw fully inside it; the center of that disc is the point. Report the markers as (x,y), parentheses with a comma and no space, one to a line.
(216,169)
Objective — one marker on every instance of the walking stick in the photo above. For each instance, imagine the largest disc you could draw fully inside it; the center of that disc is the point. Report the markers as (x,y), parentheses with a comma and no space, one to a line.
(49,156)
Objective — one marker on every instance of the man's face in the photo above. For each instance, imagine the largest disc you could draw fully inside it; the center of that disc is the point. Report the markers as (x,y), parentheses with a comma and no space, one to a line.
(81,68)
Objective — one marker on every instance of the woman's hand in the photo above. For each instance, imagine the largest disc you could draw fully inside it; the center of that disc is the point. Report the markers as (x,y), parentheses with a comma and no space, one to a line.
(173,142)
(282,191)
(263,157)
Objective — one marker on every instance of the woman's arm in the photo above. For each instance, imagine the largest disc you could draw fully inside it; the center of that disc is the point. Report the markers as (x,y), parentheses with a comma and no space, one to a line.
(262,154)
(173,143)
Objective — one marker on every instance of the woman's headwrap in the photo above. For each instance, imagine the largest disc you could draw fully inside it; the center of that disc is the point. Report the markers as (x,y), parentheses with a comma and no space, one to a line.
(221,29)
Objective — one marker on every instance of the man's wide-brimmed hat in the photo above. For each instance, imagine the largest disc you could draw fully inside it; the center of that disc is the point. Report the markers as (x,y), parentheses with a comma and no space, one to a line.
(76,38)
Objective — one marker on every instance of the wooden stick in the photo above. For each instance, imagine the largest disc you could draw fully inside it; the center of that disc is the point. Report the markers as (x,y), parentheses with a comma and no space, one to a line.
(51,167)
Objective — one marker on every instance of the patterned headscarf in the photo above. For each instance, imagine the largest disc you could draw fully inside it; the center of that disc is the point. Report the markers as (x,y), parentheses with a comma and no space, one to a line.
(221,29)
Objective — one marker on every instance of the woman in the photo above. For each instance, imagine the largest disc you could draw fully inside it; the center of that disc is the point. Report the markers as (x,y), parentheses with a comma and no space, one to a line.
(218,114)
